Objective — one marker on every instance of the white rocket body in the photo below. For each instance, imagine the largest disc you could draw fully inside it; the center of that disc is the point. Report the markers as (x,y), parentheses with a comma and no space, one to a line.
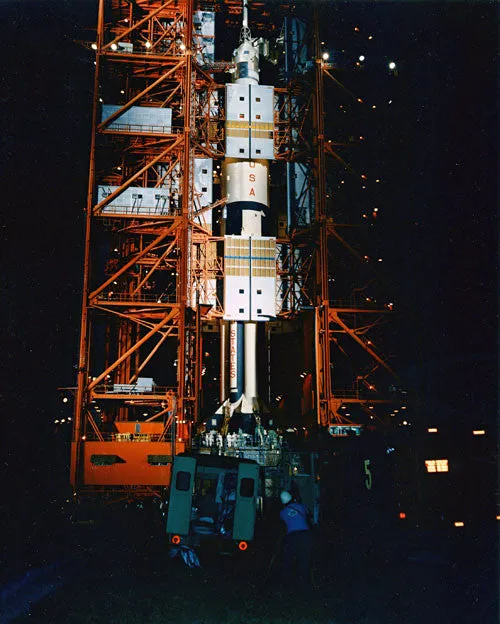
(250,266)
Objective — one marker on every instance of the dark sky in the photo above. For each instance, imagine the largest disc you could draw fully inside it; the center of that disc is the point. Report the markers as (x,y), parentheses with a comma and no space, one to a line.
(435,147)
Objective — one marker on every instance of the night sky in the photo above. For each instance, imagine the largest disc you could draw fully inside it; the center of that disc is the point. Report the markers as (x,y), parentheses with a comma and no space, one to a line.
(434,147)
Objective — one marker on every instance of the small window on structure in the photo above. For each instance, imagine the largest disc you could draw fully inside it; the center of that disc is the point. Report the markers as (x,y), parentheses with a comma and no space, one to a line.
(257,151)
(259,292)
(242,115)
(204,170)
(241,310)
(242,98)
(247,487)
(257,116)
(242,291)
(204,189)
(241,150)
(259,310)
(257,99)
(183,481)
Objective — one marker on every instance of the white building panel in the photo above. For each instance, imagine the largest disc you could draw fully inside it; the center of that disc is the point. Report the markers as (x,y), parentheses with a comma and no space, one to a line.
(261,103)
(135,201)
(139,119)
(237,102)
(237,298)
(263,296)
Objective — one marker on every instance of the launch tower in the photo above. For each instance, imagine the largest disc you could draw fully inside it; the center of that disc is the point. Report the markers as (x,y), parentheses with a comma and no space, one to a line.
(210,314)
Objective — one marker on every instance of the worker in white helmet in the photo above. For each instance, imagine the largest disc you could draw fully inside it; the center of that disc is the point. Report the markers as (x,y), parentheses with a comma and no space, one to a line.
(297,543)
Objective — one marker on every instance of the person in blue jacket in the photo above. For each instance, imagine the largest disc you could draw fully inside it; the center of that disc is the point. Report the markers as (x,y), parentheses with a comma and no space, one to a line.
(297,543)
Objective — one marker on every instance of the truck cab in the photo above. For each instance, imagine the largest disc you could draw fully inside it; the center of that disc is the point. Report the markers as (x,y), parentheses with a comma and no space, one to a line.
(213,498)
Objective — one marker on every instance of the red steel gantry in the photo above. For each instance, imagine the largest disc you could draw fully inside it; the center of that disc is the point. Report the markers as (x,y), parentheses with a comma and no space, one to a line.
(153,256)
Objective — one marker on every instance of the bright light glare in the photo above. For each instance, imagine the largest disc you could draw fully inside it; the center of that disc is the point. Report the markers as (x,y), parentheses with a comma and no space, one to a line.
(114,47)
(458,524)
(432,430)
(362,58)
(148,44)
(325,56)
(182,46)
(392,65)
(94,46)
(65,399)
(479,432)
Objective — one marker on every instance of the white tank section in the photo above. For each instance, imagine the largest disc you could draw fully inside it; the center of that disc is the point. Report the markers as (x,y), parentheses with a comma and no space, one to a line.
(246,181)
(249,121)
(250,278)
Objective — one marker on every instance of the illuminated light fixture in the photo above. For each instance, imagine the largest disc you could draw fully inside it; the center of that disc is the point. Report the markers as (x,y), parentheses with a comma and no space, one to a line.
(392,65)
(370,37)
(122,91)
(56,422)
(182,47)
(380,260)
(361,102)
(65,399)
(402,515)
(84,437)
(477,432)
(375,210)
(361,138)
(94,46)
(436,465)
(403,407)
(175,539)
(243,546)
(374,107)
(114,47)
(356,29)
(432,430)
(325,56)
(101,100)
(148,44)
(362,58)
(459,523)
(377,181)
(498,517)
(63,420)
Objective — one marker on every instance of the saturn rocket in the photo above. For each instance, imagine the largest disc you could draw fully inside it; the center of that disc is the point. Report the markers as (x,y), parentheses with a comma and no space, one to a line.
(249,257)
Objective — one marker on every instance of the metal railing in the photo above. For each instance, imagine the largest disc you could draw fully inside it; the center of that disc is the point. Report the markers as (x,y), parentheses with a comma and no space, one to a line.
(140,128)
(133,389)
(136,298)
(128,437)
(140,211)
